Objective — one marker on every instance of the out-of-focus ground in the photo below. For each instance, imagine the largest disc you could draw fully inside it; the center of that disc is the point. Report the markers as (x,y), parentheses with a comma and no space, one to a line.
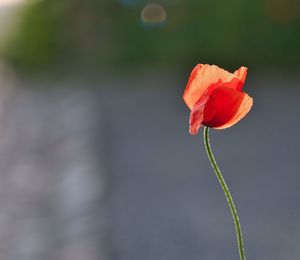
(102,167)
(166,203)
(111,173)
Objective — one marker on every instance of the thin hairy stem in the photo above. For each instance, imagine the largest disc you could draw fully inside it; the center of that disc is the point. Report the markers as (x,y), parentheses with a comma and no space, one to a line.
(227,194)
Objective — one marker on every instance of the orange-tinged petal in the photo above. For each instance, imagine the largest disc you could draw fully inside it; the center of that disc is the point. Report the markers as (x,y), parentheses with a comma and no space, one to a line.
(241,74)
(197,115)
(225,107)
(204,75)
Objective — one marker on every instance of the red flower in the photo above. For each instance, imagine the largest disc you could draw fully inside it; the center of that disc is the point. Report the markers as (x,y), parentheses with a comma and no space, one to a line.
(215,97)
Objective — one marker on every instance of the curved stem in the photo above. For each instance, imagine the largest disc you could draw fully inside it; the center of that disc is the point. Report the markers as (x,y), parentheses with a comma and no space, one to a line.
(227,194)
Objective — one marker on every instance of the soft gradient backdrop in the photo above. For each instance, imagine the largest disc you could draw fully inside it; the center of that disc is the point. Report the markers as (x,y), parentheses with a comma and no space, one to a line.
(96,161)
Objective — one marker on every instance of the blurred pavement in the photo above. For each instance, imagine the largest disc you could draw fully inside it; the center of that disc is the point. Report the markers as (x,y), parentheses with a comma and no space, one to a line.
(110,172)
(165,202)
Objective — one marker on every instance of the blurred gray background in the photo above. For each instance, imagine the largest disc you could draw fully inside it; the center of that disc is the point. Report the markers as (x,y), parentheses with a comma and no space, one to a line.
(96,161)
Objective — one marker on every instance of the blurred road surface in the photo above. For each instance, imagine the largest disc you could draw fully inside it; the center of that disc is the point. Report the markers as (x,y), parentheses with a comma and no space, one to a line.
(110,172)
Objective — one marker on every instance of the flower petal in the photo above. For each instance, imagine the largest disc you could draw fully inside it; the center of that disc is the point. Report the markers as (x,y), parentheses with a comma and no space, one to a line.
(197,113)
(202,76)
(241,73)
(225,107)
(243,110)
(196,117)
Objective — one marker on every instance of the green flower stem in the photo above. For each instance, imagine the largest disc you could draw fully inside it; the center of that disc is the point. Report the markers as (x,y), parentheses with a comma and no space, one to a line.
(226,192)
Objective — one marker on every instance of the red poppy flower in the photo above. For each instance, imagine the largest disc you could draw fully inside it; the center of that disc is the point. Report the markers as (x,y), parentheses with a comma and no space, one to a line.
(215,97)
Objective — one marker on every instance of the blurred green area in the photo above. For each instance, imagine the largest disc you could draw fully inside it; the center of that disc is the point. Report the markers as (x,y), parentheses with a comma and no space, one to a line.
(111,35)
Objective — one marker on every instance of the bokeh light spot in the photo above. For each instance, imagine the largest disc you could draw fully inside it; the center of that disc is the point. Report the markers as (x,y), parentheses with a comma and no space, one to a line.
(153,14)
